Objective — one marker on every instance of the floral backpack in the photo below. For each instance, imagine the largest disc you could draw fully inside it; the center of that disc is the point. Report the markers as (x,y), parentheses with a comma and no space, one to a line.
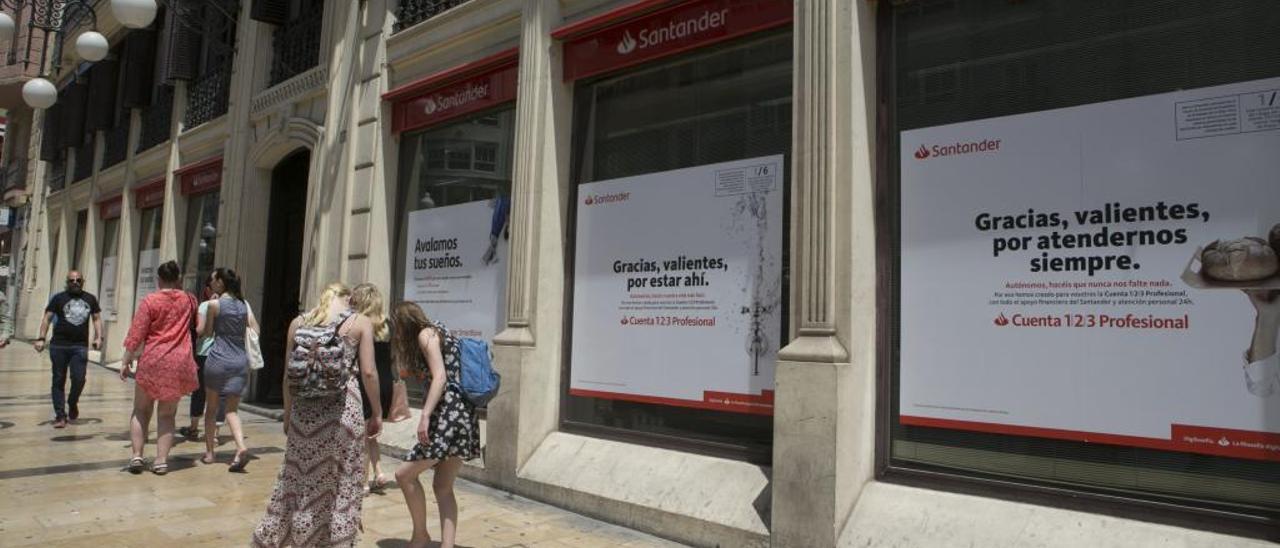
(322,360)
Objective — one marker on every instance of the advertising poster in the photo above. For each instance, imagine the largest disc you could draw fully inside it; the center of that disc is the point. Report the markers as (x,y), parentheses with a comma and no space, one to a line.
(148,261)
(1104,273)
(677,287)
(107,289)
(455,266)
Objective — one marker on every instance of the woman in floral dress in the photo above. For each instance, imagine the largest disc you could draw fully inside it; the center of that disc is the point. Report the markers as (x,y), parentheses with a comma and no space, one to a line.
(319,493)
(159,340)
(449,430)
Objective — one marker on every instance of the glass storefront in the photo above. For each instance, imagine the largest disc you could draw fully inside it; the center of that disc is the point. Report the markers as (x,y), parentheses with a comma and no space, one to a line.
(148,253)
(665,122)
(452,235)
(108,272)
(200,241)
(82,228)
(1069,128)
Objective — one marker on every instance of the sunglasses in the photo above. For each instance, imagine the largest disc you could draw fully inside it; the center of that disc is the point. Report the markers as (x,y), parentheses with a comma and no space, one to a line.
(76,281)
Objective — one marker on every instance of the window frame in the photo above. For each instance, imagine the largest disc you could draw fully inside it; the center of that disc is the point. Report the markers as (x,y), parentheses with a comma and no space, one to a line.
(730,451)
(1181,511)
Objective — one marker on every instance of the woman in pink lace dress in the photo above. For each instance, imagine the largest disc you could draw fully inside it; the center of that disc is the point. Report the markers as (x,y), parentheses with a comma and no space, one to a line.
(159,341)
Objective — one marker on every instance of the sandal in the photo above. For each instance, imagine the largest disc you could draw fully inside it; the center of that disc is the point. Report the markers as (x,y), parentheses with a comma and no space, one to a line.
(135,465)
(160,468)
(206,459)
(378,484)
(238,463)
(189,432)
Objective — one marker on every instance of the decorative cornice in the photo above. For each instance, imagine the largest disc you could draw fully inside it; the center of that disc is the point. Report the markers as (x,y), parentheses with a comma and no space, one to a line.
(310,82)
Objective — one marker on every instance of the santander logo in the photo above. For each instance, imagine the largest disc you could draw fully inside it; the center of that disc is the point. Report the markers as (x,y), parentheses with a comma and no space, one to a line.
(627,44)
(593,199)
(676,29)
(989,146)
(455,98)
(1001,320)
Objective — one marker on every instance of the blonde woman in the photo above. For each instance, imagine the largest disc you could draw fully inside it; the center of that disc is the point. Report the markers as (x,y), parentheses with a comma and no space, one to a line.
(319,494)
(366,300)
(449,430)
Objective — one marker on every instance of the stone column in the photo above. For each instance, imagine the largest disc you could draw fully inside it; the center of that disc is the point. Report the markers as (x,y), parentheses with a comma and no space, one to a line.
(527,406)
(823,441)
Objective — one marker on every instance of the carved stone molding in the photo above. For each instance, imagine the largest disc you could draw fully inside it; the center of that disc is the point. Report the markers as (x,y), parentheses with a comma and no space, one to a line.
(307,83)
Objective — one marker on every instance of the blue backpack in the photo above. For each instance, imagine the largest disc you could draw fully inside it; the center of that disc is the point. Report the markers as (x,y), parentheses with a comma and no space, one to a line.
(479,380)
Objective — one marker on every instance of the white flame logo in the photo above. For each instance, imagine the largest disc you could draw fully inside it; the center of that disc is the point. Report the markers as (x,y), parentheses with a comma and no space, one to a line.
(1224,442)
(627,44)
(430,106)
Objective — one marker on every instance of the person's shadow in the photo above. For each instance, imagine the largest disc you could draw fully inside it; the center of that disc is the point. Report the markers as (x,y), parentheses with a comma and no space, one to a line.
(403,543)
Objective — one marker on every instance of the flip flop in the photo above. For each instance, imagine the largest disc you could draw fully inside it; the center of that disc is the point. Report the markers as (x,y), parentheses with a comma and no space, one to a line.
(136,464)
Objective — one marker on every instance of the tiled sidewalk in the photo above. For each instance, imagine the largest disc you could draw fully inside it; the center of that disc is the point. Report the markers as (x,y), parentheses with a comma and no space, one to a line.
(69,488)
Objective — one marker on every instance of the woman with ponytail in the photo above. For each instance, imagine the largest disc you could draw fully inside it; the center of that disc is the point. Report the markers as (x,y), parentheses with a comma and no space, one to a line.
(226,367)
(449,430)
(366,300)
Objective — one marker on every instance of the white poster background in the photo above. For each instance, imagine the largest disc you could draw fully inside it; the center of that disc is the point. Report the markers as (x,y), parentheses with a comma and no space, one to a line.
(107,289)
(957,364)
(646,344)
(148,260)
(469,298)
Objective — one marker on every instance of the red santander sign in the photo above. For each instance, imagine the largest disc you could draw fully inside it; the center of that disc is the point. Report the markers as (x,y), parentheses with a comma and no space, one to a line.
(149,194)
(200,177)
(601,45)
(453,93)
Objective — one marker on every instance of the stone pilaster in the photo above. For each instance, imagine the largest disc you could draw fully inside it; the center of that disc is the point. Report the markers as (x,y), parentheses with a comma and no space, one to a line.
(822,426)
(527,408)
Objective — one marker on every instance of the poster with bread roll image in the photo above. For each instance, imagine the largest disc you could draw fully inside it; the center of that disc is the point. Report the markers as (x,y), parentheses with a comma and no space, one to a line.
(1107,273)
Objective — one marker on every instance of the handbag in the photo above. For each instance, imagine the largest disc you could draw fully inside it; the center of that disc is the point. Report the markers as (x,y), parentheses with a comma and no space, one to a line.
(252,347)
(399,403)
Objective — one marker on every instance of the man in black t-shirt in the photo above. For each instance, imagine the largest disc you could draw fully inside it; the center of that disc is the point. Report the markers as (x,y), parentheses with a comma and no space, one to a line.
(73,309)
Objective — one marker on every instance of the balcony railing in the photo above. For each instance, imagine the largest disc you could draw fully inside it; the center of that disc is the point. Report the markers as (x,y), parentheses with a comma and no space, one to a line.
(412,12)
(157,119)
(207,97)
(84,161)
(116,146)
(297,46)
(14,175)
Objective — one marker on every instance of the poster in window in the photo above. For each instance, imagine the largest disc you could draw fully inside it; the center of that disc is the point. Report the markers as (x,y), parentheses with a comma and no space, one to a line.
(455,265)
(148,261)
(107,289)
(678,287)
(1104,273)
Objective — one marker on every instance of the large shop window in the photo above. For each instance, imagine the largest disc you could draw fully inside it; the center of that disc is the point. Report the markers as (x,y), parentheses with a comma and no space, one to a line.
(679,258)
(455,201)
(201,240)
(107,275)
(1071,189)
(148,253)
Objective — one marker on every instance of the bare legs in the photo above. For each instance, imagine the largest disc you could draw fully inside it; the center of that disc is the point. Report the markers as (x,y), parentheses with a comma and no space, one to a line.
(166,415)
(210,427)
(415,497)
(233,420)
(442,484)
(140,420)
(374,452)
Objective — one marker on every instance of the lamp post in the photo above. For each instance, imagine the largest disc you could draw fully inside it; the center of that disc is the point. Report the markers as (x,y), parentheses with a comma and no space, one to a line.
(54,18)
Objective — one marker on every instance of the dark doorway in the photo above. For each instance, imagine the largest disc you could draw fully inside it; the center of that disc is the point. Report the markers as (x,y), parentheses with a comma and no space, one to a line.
(282,281)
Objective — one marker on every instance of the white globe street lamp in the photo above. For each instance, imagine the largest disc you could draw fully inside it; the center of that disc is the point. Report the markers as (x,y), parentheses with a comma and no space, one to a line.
(39,93)
(134,14)
(7,27)
(92,46)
